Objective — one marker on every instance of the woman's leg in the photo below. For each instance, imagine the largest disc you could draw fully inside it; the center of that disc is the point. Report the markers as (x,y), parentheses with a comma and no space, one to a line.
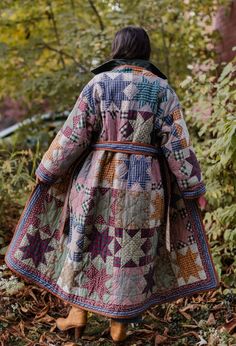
(119,327)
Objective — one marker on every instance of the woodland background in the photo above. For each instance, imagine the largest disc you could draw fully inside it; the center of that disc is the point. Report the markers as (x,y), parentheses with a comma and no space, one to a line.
(47,49)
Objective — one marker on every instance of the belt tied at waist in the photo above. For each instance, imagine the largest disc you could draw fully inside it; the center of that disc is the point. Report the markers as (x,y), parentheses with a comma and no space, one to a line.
(128,147)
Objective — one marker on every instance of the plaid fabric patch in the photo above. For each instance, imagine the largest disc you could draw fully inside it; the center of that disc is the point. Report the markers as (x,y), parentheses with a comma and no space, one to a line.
(176,145)
(181,245)
(157,186)
(123,129)
(177,114)
(138,171)
(189,227)
(86,205)
(184,169)
(179,155)
(191,240)
(166,152)
(76,256)
(184,183)
(81,219)
(184,143)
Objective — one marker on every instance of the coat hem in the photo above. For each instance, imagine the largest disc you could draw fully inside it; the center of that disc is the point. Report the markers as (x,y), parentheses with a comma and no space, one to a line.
(107,314)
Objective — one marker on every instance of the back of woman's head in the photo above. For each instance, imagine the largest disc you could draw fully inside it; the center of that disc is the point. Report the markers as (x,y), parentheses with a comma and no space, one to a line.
(131,42)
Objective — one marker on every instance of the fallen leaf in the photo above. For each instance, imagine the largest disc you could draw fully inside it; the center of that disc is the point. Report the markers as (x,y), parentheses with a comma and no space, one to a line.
(189,326)
(150,326)
(217,307)
(166,330)
(105,331)
(211,320)
(197,336)
(22,328)
(179,301)
(54,327)
(140,331)
(24,309)
(160,339)
(198,299)
(212,294)
(33,296)
(155,317)
(190,307)
(201,342)
(185,314)
(10,316)
(229,326)
(42,337)
(213,340)
(89,337)
(4,319)
(42,313)
(46,319)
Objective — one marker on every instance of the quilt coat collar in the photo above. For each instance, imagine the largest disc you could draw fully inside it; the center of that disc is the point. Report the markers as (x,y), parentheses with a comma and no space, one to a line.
(146,64)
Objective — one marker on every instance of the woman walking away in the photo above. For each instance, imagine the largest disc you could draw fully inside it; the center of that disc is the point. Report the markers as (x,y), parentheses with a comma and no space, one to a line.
(113,225)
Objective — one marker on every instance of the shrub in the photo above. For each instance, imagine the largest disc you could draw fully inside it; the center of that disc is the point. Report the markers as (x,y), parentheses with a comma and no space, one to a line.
(210,106)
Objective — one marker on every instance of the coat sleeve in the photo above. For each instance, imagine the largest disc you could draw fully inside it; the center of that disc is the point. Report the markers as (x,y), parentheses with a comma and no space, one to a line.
(71,140)
(178,150)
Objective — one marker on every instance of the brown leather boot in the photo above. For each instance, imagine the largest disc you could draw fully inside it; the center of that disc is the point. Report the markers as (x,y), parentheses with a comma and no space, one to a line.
(118,331)
(77,319)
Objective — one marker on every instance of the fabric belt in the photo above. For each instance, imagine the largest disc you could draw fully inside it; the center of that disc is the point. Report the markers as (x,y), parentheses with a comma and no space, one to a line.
(128,147)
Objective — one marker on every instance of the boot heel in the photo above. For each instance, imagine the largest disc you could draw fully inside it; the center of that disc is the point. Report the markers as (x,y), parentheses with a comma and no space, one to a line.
(79,332)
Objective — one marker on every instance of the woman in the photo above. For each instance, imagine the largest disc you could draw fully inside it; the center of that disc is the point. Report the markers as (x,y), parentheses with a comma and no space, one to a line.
(113,225)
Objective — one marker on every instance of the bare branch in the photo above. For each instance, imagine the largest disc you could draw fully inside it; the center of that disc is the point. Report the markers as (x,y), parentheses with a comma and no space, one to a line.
(97,14)
(62,53)
(54,24)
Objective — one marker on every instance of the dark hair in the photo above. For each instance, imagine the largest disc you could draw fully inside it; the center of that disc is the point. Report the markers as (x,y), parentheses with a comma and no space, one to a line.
(131,42)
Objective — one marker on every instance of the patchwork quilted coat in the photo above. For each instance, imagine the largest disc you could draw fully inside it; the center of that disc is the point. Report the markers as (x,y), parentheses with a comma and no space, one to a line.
(114,225)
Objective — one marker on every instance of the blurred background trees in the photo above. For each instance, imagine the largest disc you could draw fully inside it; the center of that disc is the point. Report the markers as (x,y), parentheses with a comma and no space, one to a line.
(47,49)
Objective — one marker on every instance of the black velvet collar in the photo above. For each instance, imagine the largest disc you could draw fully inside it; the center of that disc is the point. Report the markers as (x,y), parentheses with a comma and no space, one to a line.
(146,64)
